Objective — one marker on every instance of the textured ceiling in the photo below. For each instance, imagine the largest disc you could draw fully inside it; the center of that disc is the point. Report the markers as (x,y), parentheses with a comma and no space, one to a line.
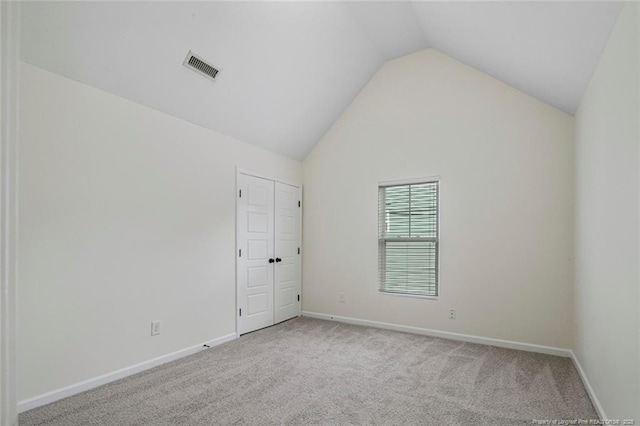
(289,69)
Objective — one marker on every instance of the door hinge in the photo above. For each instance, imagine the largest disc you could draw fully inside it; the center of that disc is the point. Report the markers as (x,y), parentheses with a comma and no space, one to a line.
(298,203)
(298,298)
(240,193)
(240,311)
(240,253)
(298,250)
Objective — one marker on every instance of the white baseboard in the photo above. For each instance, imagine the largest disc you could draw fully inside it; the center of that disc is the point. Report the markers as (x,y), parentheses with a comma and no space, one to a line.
(67,391)
(74,389)
(446,335)
(592,394)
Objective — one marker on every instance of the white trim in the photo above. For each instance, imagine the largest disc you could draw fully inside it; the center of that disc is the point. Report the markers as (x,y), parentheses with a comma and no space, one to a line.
(592,394)
(77,388)
(549,350)
(9,110)
(414,296)
(410,181)
(300,248)
(263,176)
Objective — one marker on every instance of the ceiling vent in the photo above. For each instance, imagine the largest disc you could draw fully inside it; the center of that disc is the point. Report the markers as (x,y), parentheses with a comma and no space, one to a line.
(199,65)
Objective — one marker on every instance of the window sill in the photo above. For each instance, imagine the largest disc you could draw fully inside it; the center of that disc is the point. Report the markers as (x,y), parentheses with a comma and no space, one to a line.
(415,296)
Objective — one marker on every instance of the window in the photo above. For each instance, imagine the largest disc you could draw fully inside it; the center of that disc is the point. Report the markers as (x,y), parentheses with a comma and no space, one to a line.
(408,238)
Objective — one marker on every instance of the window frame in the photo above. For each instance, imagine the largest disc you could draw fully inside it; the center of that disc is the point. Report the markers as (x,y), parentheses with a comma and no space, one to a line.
(436,240)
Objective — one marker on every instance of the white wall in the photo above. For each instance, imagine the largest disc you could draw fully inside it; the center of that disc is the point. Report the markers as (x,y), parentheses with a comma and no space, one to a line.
(506,167)
(127,215)
(607,282)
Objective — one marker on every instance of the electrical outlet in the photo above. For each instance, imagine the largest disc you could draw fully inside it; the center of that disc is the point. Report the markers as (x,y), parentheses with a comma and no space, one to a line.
(452,314)
(155,328)
(341,298)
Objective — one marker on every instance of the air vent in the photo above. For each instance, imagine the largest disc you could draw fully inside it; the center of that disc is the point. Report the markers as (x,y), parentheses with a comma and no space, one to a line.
(199,65)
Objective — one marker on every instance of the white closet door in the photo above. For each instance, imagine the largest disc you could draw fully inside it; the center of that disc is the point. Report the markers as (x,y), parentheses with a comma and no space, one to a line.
(287,243)
(255,245)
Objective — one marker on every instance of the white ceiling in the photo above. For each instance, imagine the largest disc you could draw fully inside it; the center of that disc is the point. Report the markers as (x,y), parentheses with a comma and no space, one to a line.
(289,69)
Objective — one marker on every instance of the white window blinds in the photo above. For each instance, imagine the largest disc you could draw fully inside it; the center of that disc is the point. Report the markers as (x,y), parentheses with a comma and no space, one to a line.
(408,238)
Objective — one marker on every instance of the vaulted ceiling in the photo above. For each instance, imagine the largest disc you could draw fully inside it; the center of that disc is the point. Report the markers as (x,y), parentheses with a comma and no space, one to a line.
(289,69)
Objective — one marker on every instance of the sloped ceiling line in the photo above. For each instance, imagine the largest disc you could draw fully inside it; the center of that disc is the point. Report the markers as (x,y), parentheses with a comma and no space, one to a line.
(291,68)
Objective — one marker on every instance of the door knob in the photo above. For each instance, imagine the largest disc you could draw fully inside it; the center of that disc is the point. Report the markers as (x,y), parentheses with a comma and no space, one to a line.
(278,259)
(271,260)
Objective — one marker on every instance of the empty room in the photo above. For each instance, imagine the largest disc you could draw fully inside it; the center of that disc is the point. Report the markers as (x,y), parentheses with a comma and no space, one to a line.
(320,212)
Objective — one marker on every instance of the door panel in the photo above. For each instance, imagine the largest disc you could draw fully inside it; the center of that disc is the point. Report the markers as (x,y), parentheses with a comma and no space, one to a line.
(258,304)
(257,276)
(255,244)
(268,228)
(287,242)
(257,222)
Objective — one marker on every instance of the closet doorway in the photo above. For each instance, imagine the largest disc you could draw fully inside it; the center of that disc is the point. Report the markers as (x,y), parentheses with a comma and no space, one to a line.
(268,257)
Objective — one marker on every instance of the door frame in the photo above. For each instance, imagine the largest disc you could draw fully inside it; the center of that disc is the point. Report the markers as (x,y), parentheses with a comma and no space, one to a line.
(242,171)
(10,15)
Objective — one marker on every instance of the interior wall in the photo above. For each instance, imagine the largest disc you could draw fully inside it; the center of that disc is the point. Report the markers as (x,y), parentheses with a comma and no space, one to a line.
(607,322)
(506,166)
(127,215)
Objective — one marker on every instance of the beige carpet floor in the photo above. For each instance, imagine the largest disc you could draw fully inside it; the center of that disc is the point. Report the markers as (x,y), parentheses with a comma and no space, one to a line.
(307,371)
